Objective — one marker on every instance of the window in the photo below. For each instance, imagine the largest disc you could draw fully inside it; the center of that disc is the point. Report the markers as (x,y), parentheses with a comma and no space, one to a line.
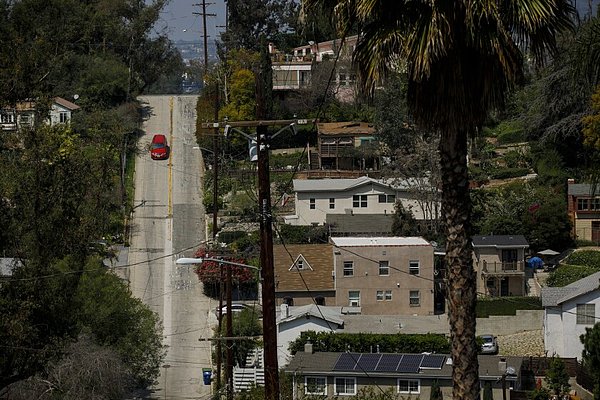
(388,295)
(586,314)
(354,298)
(384,295)
(582,204)
(413,267)
(380,295)
(359,201)
(414,298)
(7,118)
(409,386)
(331,203)
(345,386)
(595,204)
(320,300)
(387,198)
(315,385)
(300,264)
(348,268)
(63,117)
(384,268)
(313,204)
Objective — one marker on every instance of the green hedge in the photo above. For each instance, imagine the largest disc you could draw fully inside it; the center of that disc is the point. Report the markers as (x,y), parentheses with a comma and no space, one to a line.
(506,305)
(369,342)
(567,274)
(588,258)
(506,173)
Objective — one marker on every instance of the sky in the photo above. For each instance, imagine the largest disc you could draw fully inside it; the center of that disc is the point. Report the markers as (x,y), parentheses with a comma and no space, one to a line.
(179,22)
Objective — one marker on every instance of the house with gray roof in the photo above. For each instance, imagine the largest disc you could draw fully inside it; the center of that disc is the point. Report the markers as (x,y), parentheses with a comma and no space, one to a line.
(292,321)
(332,374)
(583,207)
(568,311)
(499,261)
(316,198)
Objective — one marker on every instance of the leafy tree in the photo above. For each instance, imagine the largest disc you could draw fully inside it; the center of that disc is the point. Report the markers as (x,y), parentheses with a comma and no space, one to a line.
(241,98)
(539,394)
(460,61)
(121,321)
(403,222)
(436,391)
(591,355)
(251,19)
(591,123)
(487,391)
(557,376)
(85,370)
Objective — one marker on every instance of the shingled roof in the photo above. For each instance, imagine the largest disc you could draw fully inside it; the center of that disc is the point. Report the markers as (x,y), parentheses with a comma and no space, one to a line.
(553,296)
(316,274)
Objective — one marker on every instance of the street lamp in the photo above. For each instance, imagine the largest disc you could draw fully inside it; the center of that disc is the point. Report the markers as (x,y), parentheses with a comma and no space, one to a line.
(200,260)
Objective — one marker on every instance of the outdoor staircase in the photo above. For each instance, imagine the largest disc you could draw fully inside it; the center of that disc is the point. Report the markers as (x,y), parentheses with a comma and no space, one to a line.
(252,375)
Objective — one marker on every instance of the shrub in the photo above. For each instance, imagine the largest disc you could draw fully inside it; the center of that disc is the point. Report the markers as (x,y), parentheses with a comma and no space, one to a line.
(567,274)
(588,258)
(506,305)
(231,236)
(368,342)
(505,173)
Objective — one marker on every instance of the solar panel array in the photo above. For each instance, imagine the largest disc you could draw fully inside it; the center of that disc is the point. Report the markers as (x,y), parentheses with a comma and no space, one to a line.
(403,363)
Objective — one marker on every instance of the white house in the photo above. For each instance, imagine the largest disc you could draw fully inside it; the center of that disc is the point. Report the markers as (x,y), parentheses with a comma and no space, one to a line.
(295,320)
(568,311)
(61,111)
(315,198)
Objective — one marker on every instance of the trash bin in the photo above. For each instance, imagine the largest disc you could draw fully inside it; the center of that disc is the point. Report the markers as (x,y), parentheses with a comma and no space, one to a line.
(206,375)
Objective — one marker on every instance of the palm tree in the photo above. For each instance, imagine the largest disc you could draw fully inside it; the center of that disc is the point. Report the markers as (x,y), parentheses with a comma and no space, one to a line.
(460,57)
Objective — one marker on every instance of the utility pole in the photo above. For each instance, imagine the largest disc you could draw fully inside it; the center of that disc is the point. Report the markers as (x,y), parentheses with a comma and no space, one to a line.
(228,343)
(204,15)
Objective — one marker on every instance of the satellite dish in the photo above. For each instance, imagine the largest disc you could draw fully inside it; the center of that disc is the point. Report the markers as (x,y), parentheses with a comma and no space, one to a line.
(510,371)
(75,96)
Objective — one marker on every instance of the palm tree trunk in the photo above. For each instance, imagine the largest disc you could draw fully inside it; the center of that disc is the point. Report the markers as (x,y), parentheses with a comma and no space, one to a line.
(461,287)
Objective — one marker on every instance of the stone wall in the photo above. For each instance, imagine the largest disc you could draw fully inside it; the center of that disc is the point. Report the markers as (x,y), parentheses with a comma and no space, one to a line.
(525,320)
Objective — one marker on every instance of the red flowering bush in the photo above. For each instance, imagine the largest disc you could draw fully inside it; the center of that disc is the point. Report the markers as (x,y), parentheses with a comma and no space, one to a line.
(209,272)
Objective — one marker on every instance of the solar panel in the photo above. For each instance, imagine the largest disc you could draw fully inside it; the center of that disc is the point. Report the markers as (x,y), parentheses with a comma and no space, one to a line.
(367,362)
(346,362)
(410,363)
(433,361)
(388,362)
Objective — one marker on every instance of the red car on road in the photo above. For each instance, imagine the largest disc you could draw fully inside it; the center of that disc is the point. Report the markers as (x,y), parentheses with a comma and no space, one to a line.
(159,150)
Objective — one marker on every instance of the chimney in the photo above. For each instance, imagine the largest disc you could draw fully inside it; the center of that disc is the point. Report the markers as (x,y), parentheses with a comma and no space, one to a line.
(308,347)
(285,311)
(502,365)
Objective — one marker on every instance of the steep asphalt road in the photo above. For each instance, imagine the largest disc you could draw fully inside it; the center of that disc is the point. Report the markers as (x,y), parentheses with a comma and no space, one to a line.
(168,223)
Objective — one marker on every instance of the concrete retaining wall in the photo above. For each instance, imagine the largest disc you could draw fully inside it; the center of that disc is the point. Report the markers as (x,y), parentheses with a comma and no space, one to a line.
(525,320)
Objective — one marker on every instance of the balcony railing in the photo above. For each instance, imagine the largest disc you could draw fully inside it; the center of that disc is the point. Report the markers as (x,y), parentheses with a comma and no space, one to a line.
(504,267)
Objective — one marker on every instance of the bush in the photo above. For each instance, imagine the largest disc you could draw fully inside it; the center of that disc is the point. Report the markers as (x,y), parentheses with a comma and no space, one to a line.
(567,274)
(506,173)
(510,132)
(231,236)
(588,258)
(368,342)
(506,305)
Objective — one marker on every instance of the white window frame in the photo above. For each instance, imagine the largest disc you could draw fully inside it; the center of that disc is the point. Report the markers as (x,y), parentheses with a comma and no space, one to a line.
(354,301)
(360,201)
(348,268)
(387,295)
(63,117)
(316,385)
(412,298)
(586,314)
(414,267)
(408,386)
(379,295)
(345,382)
(312,204)
(385,267)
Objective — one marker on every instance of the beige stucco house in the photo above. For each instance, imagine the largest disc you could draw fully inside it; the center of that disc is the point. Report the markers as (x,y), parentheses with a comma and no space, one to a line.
(384,275)
(499,261)
(583,200)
